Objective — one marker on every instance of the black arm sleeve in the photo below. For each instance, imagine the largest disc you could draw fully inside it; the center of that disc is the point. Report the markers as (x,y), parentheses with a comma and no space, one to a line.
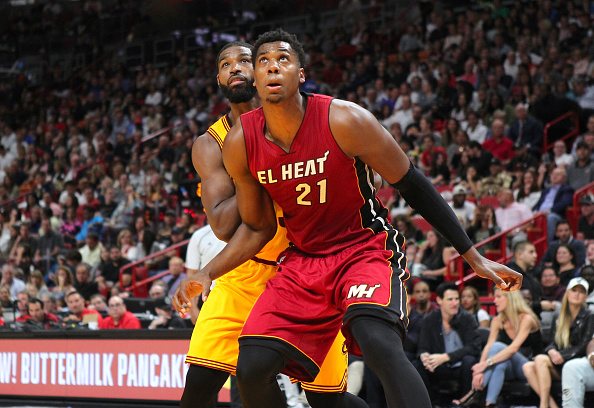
(420,194)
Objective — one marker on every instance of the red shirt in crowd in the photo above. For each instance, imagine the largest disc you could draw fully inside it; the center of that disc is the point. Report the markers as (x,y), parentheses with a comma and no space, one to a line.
(128,321)
(504,150)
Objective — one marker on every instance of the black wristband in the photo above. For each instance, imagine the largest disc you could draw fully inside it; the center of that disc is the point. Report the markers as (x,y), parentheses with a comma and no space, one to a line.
(420,194)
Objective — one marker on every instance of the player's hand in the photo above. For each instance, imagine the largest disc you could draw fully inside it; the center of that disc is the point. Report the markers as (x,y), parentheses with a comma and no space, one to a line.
(190,287)
(505,279)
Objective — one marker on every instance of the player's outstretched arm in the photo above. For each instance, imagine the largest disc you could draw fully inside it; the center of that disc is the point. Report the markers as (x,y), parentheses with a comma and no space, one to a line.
(359,134)
(258,224)
(218,191)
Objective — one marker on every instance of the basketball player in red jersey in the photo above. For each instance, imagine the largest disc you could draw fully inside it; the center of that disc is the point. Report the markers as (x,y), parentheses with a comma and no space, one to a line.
(345,270)
(214,346)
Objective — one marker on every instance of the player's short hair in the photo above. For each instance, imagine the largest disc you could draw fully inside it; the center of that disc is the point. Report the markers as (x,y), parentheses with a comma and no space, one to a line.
(281,35)
(234,44)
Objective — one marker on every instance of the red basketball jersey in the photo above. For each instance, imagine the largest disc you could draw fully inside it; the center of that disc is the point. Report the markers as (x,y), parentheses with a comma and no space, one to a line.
(327,198)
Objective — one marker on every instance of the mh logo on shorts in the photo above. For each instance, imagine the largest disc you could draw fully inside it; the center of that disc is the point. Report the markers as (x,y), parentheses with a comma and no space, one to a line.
(360,291)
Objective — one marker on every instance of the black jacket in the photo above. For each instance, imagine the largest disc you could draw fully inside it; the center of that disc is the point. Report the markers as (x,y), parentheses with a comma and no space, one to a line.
(431,340)
(580,334)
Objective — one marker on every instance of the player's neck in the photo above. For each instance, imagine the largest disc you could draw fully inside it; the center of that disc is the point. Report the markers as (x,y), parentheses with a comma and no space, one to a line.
(284,119)
(238,109)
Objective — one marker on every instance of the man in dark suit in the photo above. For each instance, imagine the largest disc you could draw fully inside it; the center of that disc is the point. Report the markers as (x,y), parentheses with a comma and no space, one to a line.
(555,200)
(526,132)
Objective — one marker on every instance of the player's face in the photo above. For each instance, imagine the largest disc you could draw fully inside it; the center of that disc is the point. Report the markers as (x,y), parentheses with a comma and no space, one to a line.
(236,74)
(277,72)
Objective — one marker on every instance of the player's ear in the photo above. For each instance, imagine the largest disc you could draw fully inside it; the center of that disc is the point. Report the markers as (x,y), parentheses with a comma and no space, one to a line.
(218,81)
(301,75)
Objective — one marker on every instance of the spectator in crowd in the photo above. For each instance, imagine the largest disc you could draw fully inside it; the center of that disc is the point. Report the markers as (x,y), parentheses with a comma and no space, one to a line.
(99,304)
(524,261)
(573,330)
(64,280)
(83,283)
(469,298)
(50,304)
(584,94)
(37,314)
(5,297)
(110,272)
(36,280)
(158,291)
(577,378)
(49,245)
(564,262)
(585,230)
(422,299)
(176,274)
(481,159)
(511,213)
(514,337)
(73,259)
(555,200)
(552,289)
(91,224)
(474,128)
(526,133)
(496,181)
(431,255)
(126,209)
(8,279)
(560,155)
(119,317)
(77,309)
(429,149)
(581,172)
(464,210)
(91,251)
(449,343)
(407,228)
(483,226)
(563,235)
(126,244)
(528,192)
(167,318)
(500,146)
(22,311)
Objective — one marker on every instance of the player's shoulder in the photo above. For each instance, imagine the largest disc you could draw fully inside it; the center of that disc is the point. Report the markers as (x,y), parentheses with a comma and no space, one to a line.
(205,143)
(235,135)
(346,112)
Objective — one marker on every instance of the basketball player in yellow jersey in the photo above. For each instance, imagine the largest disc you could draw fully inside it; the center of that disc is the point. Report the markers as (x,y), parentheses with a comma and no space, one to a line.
(214,346)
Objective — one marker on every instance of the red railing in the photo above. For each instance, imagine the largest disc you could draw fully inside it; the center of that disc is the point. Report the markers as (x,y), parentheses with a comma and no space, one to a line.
(163,130)
(18,199)
(139,287)
(573,133)
(537,235)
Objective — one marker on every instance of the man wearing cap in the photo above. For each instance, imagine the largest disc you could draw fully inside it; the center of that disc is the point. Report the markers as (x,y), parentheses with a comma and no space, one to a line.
(463,209)
(167,319)
(581,172)
(119,317)
(585,229)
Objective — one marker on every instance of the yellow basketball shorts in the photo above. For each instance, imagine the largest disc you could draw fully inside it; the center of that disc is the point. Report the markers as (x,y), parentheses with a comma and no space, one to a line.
(215,343)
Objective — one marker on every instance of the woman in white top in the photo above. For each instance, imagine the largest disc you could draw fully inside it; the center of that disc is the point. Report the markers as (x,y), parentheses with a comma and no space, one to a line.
(528,192)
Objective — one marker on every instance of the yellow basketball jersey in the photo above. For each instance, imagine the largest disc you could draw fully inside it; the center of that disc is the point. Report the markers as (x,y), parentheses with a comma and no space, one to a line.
(276,245)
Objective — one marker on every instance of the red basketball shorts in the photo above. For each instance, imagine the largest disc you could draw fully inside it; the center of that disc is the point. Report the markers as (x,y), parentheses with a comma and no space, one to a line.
(305,305)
